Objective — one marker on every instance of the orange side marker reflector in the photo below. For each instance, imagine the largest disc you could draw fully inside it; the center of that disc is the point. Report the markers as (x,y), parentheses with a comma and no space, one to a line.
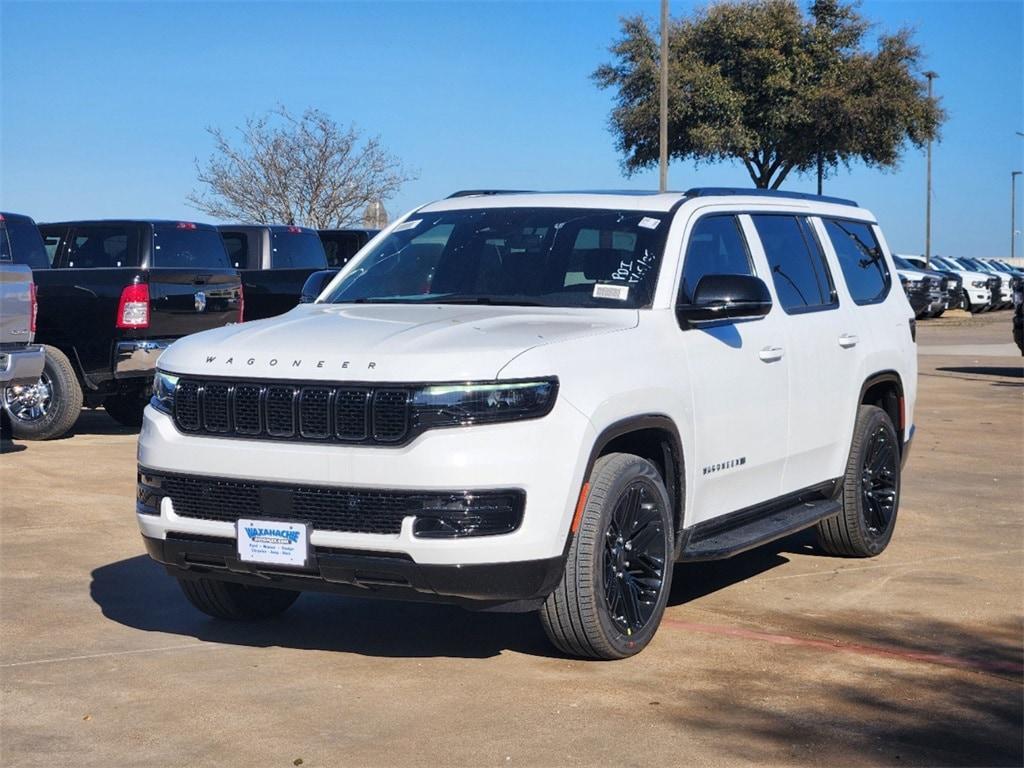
(579,507)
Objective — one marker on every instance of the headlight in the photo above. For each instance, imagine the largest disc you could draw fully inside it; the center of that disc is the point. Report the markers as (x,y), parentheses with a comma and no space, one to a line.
(164,385)
(447,405)
(979,283)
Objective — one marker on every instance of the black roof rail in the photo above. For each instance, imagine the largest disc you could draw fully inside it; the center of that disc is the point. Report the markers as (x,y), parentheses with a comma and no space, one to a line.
(479,192)
(723,191)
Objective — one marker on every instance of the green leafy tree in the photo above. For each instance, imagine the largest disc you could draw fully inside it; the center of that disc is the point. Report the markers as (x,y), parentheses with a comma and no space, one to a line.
(761,82)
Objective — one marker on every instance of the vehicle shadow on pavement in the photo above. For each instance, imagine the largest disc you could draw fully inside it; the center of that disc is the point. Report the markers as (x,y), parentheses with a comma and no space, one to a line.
(946,694)
(1013,372)
(139,593)
(97,422)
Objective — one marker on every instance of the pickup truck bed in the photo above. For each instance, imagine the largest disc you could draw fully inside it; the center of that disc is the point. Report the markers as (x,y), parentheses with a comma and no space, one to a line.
(21,361)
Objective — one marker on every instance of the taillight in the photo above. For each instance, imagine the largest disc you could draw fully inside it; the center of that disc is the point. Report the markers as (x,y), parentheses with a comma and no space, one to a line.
(133,309)
(186,225)
(34,310)
(241,304)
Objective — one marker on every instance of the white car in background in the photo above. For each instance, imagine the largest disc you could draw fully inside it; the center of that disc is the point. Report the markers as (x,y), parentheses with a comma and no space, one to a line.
(977,285)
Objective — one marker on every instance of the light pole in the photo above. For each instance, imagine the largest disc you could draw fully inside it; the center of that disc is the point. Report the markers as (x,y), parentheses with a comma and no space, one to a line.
(928,199)
(663,111)
(1013,211)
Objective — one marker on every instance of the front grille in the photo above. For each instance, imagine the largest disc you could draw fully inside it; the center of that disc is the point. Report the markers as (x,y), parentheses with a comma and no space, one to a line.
(349,510)
(339,413)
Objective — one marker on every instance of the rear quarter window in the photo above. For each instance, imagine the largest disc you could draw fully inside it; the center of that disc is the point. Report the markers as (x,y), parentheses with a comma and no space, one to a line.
(296,250)
(103,246)
(183,247)
(860,258)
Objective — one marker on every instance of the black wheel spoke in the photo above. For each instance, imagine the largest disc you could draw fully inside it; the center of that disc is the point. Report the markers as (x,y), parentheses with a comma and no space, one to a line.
(879,481)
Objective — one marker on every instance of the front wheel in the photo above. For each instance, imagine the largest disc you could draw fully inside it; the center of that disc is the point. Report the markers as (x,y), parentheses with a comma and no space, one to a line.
(48,408)
(870,491)
(619,569)
(126,409)
(236,602)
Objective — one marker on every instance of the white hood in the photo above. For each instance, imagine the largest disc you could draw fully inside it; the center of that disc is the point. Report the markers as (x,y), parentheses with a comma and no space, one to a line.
(393,342)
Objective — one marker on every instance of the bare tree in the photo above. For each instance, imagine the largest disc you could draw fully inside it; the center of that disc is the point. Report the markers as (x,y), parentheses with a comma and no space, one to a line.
(304,170)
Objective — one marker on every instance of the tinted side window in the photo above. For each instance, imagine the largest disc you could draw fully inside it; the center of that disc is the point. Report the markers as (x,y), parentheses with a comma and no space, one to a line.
(716,247)
(798,266)
(298,249)
(860,258)
(103,247)
(26,243)
(186,246)
(237,245)
(5,246)
(341,246)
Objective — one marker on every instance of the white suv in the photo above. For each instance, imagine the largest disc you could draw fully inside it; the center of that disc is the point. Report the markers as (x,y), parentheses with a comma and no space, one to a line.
(542,401)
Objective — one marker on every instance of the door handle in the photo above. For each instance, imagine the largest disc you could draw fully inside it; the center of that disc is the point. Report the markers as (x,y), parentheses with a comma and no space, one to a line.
(848,340)
(770,354)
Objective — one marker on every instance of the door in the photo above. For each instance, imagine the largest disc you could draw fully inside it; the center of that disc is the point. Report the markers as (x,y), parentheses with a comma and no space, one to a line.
(739,377)
(823,343)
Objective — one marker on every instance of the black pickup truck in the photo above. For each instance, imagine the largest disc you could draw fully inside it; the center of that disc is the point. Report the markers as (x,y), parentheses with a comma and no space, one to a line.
(274,262)
(342,244)
(112,295)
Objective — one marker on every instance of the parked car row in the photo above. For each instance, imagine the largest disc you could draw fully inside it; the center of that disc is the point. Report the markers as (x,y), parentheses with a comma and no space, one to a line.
(108,297)
(945,282)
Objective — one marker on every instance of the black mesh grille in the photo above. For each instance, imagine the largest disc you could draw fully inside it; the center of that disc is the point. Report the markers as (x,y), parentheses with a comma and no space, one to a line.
(350,510)
(247,409)
(390,415)
(280,408)
(350,413)
(186,405)
(310,412)
(315,413)
(215,407)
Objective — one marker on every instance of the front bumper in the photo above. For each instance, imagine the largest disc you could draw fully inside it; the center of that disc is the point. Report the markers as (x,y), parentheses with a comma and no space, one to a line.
(476,458)
(138,357)
(365,574)
(21,367)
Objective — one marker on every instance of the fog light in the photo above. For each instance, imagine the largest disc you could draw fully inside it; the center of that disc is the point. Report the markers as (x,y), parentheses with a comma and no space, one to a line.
(148,495)
(456,516)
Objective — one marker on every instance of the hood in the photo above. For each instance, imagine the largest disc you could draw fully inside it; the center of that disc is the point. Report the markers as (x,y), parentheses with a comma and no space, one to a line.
(393,342)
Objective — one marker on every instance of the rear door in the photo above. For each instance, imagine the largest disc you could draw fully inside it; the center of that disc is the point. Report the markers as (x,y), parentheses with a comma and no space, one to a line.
(824,346)
(192,284)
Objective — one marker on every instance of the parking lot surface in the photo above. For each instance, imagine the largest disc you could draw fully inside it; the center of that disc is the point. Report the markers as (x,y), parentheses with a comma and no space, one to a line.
(778,656)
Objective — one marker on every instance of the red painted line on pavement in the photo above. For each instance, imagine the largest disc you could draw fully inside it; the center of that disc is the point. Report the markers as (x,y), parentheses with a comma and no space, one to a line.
(858,648)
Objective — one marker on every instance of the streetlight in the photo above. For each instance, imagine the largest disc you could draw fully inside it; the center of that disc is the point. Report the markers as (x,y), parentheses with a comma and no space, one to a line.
(1013,211)
(928,201)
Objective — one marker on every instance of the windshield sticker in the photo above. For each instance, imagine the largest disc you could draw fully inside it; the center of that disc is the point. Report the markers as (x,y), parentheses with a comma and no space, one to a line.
(633,271)
(648,223)
(606,291)
(407,225)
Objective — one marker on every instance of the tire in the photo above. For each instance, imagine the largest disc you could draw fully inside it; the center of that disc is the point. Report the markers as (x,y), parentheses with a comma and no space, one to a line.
(126,408)
(236,602)
(870,490)
(49,408)
(625,491)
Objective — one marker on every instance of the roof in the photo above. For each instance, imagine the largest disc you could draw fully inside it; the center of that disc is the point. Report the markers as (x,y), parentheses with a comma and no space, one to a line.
(172,222)
(646,200)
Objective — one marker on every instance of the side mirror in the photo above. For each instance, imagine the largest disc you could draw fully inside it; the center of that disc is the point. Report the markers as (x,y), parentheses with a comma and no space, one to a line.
(726,297)
(315,285)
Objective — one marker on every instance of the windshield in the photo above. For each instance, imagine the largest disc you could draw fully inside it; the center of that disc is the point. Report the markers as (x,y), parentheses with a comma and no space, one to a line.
(188,247)
(904,264)
(557,257)
(294,248)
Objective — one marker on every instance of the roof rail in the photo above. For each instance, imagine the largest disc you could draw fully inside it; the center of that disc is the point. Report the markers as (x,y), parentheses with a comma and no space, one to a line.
(480,192)
(721,191)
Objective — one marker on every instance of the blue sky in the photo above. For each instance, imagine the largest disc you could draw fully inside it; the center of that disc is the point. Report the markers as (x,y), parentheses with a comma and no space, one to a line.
(104,104)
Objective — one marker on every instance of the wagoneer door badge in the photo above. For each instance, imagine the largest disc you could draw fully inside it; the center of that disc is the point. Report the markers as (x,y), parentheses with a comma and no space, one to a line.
(723,465)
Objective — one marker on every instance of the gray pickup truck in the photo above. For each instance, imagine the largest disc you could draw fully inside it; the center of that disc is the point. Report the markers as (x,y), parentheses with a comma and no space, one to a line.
(21,361)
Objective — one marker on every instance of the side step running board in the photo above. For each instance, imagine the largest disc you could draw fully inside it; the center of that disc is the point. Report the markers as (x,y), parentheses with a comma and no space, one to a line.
(716,542)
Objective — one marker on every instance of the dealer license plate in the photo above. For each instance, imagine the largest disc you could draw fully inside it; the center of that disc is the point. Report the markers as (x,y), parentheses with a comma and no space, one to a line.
(273,542)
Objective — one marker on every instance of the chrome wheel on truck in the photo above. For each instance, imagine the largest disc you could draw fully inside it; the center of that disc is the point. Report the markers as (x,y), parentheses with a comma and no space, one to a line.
(48,408)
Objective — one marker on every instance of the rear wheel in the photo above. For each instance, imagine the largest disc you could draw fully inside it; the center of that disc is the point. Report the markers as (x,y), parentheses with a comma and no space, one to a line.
(126,408)
(619,569)
(48,408)
(871,490)
(236,602)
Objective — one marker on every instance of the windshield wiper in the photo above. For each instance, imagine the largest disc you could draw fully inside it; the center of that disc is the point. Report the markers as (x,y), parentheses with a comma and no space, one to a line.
(497,301)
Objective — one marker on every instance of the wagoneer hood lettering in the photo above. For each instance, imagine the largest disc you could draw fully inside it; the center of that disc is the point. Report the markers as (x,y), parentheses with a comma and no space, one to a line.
(386,343)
